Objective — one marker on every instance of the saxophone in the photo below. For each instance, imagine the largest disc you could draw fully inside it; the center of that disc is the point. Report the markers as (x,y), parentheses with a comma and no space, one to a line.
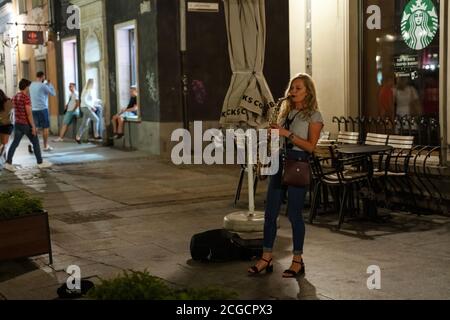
(273,120)
(277,109)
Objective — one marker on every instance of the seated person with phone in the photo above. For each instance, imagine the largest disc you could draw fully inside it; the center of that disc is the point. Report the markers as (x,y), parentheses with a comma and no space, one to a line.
(131,111)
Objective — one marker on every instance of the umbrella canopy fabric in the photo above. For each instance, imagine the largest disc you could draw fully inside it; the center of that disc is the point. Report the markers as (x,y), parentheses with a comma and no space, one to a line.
(249,97)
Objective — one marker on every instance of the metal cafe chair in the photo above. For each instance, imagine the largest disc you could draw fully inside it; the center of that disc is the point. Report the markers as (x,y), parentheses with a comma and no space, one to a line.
(322,191)
(244,170)
(346,137)
(325,136)
(322,167)
(427,163)
(374,139)
(397,166)
(329,170)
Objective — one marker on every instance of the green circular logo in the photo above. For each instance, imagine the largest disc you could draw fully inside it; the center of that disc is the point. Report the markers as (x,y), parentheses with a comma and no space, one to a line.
(420,24)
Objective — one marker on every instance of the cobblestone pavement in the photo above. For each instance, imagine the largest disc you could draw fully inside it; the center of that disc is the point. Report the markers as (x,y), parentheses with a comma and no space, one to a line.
(112,210)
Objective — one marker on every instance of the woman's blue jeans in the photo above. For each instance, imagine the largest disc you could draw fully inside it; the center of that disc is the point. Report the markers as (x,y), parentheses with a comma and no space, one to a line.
(296,201)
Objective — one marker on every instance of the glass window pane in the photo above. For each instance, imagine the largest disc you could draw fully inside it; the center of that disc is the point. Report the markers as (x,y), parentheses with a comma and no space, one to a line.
(401,64)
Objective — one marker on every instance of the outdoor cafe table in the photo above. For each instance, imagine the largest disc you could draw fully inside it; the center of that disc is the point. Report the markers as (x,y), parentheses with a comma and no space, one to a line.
(358,150)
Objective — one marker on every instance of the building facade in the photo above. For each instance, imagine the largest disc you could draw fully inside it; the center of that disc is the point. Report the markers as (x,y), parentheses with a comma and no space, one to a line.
(93,55)
(36,15)
(353,49)
(356,49)
(68,50)
(137,43)
(8,49)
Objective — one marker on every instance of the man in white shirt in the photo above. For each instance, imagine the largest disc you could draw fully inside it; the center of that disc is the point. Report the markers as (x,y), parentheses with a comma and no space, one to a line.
(71,111)
(40,90)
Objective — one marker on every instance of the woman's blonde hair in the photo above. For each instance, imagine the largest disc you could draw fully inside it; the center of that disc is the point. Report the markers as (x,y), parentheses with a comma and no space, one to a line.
(89,85)
(311,104)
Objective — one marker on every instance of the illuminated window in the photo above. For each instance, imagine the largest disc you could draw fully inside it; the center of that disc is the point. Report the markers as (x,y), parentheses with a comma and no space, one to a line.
(401,62)
(22,6)
(126,61)
(37,3)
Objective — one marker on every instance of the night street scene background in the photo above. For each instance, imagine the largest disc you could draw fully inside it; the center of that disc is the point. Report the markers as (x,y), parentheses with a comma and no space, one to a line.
(165,132)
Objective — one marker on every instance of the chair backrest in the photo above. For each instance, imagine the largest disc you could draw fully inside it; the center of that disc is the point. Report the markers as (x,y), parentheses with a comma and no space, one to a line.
(325,135)
(323,157)
(433,158)
(348,137)
(427,157)
(323,152)
(401,142)
(324,140)
(374,139)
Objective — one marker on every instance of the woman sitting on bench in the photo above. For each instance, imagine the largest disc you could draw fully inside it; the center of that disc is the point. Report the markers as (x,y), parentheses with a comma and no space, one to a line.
(128,112)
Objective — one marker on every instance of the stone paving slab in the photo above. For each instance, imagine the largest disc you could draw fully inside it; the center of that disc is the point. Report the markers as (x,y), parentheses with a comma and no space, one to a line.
(107,220)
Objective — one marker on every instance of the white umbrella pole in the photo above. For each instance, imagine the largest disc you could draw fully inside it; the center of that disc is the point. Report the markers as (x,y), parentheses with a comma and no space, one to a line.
(251,178)
(249,221)
(251,191)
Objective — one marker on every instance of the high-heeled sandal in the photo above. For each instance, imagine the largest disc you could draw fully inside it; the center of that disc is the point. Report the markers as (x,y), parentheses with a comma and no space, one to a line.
(288,274)
(268,268)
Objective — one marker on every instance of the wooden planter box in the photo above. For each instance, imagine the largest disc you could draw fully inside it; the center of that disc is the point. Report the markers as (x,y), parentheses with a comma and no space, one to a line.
(25,237)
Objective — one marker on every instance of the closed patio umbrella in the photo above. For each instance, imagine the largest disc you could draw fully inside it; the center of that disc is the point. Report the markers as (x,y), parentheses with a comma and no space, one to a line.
(249,96)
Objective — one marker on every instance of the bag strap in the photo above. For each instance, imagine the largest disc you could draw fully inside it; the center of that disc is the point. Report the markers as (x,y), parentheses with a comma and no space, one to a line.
(289,122)
(287,126)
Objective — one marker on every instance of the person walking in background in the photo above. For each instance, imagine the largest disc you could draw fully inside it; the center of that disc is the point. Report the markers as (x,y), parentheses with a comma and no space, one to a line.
(300,125)
(386,99)
(407,99)
(71,111)
(39,92)
(24,125)
(127,112)
(88,110)
(6,126)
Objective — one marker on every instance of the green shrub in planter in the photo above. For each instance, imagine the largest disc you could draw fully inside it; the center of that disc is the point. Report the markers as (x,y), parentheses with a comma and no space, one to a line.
(18,203)
(142,286)
(24,227)
(203,294)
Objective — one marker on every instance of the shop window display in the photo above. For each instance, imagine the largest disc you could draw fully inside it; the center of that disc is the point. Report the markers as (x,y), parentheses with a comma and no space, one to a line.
(401,63)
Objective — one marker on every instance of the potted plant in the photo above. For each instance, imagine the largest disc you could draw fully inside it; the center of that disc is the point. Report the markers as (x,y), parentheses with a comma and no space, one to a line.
(24,227)
(136,285)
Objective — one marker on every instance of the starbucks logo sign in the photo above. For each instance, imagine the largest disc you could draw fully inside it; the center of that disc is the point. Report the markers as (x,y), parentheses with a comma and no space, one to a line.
(420,23)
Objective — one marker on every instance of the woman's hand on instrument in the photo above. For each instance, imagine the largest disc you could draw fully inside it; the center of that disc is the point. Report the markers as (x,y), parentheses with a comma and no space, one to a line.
(282,132)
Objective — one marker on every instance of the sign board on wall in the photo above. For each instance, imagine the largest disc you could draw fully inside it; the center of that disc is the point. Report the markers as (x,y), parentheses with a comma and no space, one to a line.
(406,66)
(406,62)
(420,23)
(203,7)
(33,37)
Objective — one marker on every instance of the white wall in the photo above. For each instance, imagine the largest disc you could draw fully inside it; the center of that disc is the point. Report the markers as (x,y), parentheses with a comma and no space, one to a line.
(297,30)
(70,66)
(9,85)
(123,66)
(447,67)
(11,72)
(328,27)
(329,45)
